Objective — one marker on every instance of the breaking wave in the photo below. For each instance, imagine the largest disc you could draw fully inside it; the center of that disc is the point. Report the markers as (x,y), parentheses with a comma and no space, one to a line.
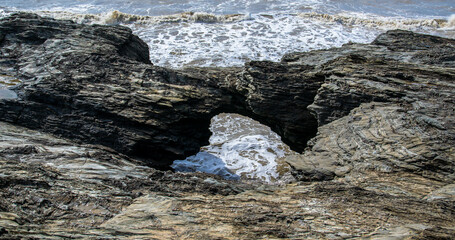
(200,17)
(348,19)
(385,23)
(451,21)
(117,17)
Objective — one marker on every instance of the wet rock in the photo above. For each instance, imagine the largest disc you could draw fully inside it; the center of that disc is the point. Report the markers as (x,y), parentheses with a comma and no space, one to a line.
(60,188)
(386,138)
(93,84)
(380,162)
(278,94)
(381,109)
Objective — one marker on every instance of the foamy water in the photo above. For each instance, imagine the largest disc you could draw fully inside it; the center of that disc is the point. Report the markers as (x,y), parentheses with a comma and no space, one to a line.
(240,148)
(182,33)
(204,39)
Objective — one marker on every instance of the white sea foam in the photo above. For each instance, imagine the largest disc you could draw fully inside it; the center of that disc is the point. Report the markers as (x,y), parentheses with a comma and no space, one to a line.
(262,37)
(451,21)
(204,39)
(4,13)
(378,22)
(240,148)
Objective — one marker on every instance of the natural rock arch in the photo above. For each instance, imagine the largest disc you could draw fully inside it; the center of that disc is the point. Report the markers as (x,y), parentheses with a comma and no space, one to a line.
(95,84)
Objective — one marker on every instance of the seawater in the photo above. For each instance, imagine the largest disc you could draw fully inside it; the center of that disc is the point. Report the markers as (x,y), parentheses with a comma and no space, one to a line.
(240,148)
(182,33)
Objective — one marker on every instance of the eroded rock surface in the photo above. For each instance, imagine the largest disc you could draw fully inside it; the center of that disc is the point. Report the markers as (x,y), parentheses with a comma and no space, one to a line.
(380,163)
(94,84)
(384,107)
(57,189)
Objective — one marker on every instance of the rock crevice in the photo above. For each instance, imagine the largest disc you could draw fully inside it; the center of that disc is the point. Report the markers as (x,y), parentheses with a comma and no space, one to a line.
(376,123)
(93,84)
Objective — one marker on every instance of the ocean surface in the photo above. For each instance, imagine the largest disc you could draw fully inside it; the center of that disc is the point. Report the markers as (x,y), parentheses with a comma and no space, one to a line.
(183,33)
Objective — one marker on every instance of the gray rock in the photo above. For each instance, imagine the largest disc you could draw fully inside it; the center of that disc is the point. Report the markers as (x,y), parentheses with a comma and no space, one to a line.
(380,118)
(384,110)
(446,193)
(93,84)
(308,169)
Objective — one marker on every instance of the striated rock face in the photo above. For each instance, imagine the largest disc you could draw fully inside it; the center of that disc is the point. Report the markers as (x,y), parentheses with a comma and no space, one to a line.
(54,187)
(83,116)
(384,107)
(94,84)
(57,189)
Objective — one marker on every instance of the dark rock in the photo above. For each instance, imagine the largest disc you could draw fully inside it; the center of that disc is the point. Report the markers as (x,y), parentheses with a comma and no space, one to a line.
(93,84)
(380,110)
(382,117)
(399,40)
(278,95)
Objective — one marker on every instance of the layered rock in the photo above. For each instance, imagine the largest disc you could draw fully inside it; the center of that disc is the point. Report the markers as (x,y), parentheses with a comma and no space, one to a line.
(380,162)
(94,84)
(384,107)
(52,188)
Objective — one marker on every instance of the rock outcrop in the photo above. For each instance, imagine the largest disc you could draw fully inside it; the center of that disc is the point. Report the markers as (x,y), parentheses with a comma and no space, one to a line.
(94,84)
(85,116)
(384,106)
(52,188)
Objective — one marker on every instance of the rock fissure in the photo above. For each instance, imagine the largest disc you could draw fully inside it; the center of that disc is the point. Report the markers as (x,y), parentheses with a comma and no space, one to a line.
(376,123)
(287,96)
(93,114)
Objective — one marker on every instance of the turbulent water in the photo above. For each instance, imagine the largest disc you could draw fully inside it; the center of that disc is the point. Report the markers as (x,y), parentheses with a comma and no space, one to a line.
(183,33)
(240,148)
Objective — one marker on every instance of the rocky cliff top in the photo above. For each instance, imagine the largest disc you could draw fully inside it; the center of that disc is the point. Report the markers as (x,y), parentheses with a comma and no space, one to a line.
(85,115)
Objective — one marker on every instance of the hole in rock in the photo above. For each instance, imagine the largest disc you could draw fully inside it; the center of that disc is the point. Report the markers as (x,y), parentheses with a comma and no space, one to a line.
(240,148)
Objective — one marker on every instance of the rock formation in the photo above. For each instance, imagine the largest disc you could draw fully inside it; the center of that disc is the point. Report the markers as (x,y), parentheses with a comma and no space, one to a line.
(384,106)
(86,115)
(93,84)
